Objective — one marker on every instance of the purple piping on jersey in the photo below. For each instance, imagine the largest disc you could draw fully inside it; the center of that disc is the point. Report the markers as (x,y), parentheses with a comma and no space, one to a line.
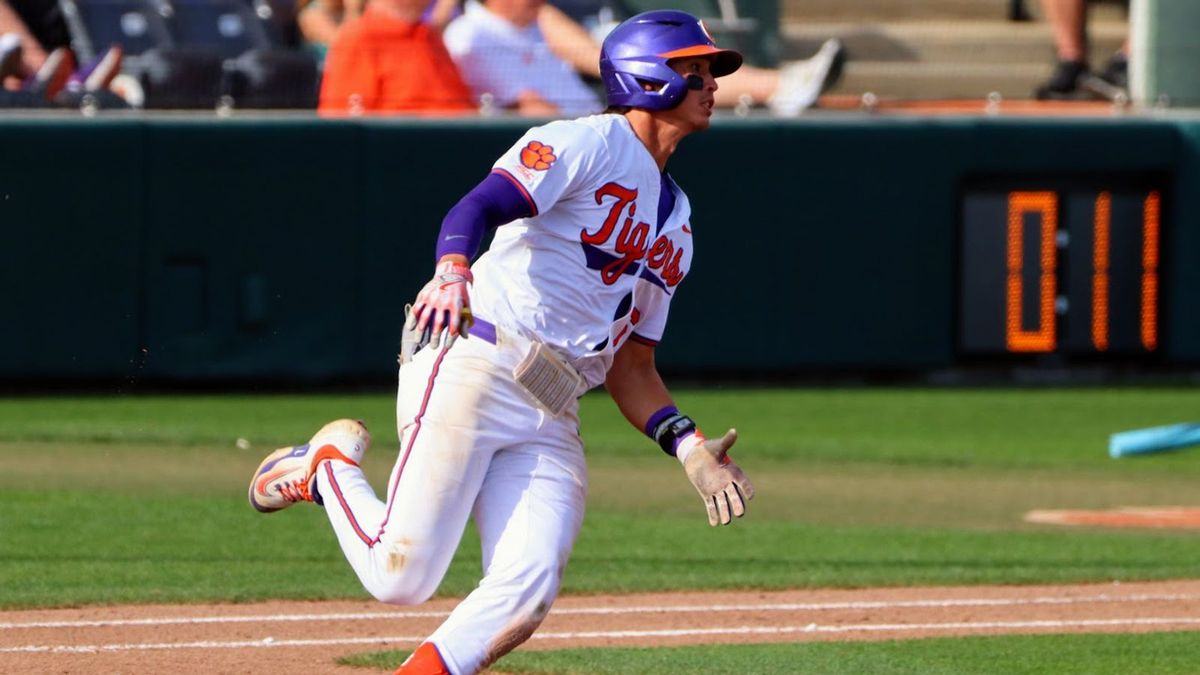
(657,418)
(666,202)
(366,539)
(496,200)
(650,276)
(597,259)
(524,192)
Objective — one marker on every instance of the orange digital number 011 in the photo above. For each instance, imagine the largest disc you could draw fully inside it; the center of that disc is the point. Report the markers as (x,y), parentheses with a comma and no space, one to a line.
(1045,204)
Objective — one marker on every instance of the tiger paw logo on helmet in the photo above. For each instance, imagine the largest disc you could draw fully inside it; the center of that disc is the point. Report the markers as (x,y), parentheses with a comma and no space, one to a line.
(537,155)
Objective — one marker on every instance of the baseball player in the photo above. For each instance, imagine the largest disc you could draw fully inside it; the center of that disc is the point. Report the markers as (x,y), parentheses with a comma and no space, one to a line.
(592,241)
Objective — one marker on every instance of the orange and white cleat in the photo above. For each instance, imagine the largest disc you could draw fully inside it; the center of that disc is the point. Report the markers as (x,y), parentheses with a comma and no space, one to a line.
(424,661)
(285,476)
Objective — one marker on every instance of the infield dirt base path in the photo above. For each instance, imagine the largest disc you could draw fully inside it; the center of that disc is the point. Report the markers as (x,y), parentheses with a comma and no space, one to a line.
(253,638)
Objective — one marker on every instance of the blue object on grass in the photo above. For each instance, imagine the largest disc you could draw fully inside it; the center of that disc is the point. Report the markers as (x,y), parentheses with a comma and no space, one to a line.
(1153,439)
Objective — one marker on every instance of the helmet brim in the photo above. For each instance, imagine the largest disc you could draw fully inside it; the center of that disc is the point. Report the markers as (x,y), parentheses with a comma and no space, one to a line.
(724,62)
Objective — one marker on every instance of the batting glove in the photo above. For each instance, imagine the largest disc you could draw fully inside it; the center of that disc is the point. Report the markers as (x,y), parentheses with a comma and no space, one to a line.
(443,304)
(721,483)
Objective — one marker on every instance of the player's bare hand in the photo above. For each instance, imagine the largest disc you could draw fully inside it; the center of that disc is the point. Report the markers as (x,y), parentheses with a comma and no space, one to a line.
(721,483)
(443,305)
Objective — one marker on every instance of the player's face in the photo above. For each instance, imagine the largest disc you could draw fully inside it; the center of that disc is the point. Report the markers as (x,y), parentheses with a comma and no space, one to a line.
(696,109)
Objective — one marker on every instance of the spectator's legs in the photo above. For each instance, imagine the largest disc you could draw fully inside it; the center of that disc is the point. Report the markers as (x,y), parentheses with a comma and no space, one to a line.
(1068,20)
(33,55)
(10,56)
(757,83)
(787,90)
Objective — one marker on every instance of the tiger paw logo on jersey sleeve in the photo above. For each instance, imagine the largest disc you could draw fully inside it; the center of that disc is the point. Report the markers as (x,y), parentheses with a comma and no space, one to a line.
(537,156)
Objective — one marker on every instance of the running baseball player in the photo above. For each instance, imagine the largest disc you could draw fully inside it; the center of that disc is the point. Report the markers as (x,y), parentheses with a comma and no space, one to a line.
(592,241)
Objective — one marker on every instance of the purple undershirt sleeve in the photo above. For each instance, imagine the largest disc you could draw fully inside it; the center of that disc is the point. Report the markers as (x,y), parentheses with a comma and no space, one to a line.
(494,202)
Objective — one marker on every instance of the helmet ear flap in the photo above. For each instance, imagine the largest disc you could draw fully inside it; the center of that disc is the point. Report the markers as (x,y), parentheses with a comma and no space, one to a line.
(626,84)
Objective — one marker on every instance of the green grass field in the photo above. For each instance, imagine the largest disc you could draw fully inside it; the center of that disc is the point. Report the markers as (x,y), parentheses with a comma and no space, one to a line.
(142,499)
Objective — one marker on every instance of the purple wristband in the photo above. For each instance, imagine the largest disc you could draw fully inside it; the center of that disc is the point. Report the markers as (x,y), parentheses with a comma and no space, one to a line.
(657,419)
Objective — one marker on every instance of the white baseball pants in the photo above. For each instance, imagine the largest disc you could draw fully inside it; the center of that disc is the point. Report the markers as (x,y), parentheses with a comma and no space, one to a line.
(472,441)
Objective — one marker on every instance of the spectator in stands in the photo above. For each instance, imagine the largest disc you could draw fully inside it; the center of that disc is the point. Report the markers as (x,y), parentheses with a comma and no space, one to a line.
(319,20)
(37,66)
(388,60)
(787,91)
(35,62)
(501,52)
(1072,78)
(41,29)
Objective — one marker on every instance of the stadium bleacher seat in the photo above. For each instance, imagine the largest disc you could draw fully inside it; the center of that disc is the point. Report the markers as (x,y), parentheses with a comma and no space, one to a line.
(94,25)
(193,53)
(181,78)
(229,27)
(278,18)
(274,78)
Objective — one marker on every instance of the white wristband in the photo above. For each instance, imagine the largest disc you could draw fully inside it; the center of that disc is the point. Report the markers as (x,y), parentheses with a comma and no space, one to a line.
(686,447)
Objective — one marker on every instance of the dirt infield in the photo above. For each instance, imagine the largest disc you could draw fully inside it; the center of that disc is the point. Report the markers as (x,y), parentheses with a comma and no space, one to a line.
(244,638)
(1156,517)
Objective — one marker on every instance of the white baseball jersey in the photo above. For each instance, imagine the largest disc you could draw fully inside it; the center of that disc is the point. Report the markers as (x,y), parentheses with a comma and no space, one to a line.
(502,59)
(593,267)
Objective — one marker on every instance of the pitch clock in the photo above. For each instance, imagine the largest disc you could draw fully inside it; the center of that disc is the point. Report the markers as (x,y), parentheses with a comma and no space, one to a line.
(1061,266)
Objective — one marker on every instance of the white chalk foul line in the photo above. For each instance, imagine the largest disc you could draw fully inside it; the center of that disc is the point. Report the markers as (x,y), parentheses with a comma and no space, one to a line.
(206,644)
(196,620)
(628,634)
(1103,598)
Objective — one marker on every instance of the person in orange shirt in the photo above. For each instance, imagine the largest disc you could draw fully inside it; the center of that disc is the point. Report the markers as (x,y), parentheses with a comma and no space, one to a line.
(387,60)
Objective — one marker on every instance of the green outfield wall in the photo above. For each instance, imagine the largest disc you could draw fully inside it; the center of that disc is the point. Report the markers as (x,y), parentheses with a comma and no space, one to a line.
(284,249)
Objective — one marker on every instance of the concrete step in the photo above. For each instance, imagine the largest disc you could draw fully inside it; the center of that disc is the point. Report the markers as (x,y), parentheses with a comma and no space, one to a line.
(891,10)
(944,58)
(944,41)
(908,10)
(941,80)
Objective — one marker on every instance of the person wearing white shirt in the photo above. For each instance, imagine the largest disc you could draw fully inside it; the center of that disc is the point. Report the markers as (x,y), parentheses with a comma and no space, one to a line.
(501,53)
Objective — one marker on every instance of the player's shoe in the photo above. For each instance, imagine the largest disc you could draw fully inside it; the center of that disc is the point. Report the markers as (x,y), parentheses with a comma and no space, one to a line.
(286,475)
(425,660)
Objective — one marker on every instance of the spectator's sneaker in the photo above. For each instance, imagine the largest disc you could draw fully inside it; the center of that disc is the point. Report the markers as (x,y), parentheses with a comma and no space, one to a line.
(129,89)
(1063,83)
(286,475)
(1116,71)
(53,75)
(98,74)
(10,56)
(801,83)
(1112,83)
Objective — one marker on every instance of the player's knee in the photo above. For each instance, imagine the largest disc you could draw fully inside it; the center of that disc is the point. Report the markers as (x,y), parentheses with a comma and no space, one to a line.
(402,586)
(401,592)
(541,581)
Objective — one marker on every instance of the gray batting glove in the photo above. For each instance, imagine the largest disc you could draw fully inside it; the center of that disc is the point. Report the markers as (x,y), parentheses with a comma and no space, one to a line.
(411,339)
(721,483)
